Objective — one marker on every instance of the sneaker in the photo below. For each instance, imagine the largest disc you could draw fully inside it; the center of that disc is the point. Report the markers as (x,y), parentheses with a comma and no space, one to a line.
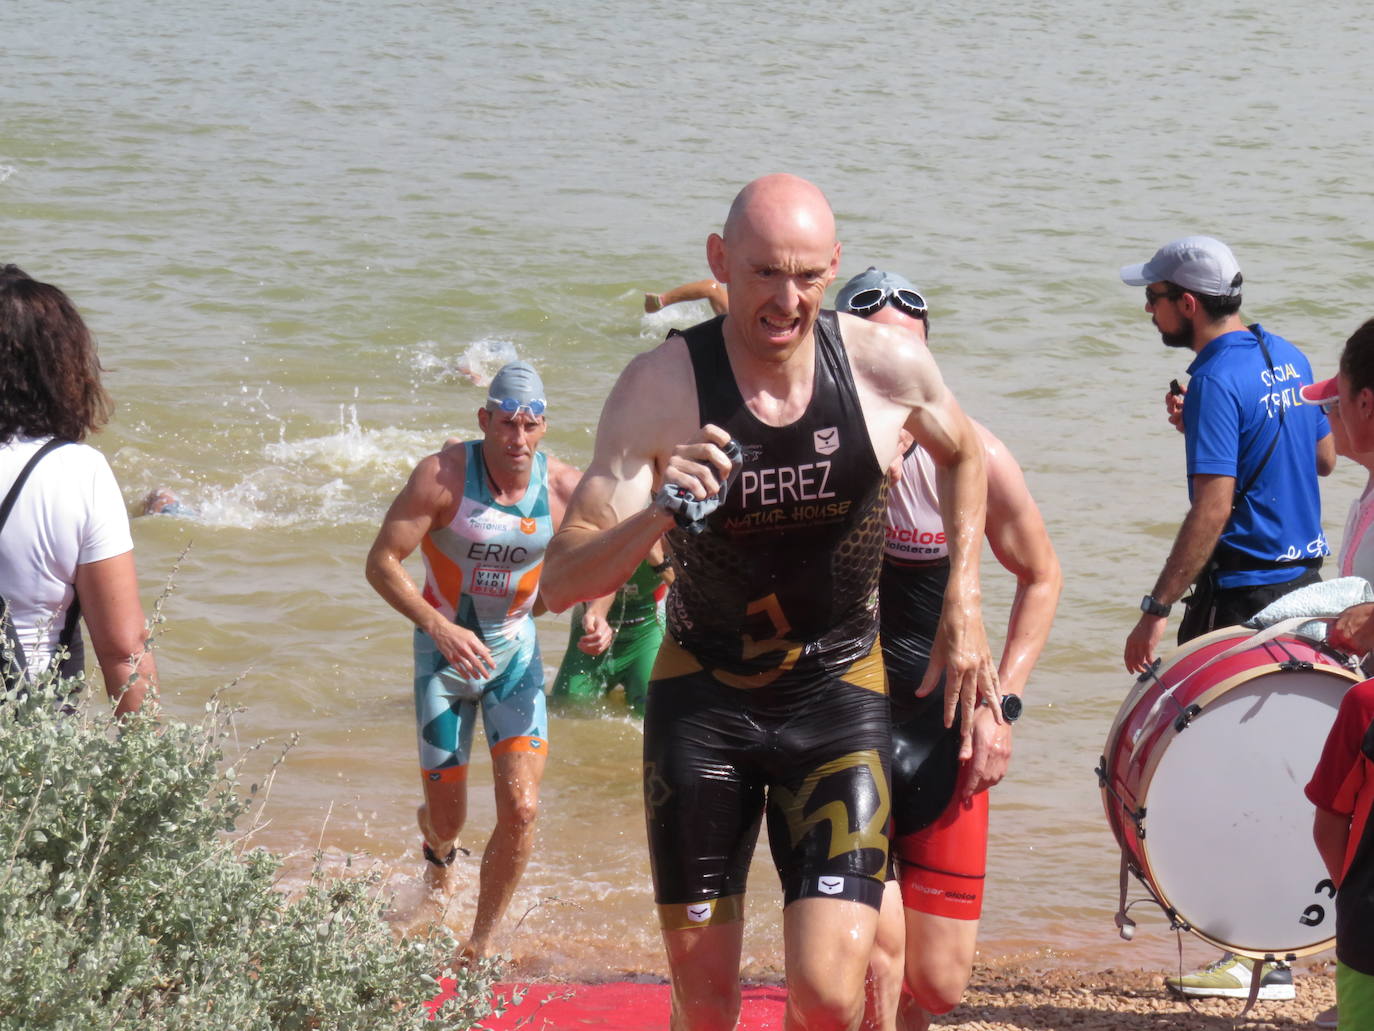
(1328,1018)
(1229,977)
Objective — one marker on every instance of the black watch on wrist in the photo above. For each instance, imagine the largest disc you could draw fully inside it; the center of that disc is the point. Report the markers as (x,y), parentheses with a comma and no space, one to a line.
(1150,607)
(1011,707)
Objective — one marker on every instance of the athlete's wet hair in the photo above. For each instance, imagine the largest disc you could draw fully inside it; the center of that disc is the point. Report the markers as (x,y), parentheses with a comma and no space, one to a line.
(1357,359)
(49,372)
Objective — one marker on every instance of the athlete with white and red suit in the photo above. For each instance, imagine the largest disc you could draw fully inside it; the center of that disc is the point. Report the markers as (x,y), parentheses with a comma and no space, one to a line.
(482,513)
(939,804)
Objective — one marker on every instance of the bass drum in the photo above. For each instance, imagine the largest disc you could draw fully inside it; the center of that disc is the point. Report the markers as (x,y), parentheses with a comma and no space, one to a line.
(1202,778)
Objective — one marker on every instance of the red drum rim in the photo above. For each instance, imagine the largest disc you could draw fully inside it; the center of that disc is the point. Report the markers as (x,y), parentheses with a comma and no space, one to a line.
(1139,688)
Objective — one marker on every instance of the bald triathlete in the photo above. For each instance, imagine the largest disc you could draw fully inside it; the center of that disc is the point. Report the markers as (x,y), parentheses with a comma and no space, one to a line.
(481,513)
(768,695)
(939,805)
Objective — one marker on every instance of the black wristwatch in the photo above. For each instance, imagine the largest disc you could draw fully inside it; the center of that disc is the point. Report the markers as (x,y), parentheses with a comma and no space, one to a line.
(1011,707)
(1150,607)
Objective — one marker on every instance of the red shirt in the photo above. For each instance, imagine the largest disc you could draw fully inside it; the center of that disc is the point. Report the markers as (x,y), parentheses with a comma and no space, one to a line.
(1343,783)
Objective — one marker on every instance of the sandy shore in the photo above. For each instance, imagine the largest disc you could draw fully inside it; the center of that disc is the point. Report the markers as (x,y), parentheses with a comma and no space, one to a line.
(1001,997)
(1011,998)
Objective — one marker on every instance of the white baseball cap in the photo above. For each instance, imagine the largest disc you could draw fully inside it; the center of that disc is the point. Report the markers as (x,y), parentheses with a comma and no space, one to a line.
(1197,263)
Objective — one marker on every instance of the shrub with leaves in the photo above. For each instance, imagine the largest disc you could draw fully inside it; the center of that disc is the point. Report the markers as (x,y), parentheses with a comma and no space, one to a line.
(124,904)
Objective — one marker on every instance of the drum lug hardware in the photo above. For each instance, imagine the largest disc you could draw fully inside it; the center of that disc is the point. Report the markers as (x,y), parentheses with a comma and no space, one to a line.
(1295,664)
(1150,671)
(1136,816)
(1186,717)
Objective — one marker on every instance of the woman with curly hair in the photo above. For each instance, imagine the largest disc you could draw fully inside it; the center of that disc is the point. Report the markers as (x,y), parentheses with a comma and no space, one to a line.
(65,546)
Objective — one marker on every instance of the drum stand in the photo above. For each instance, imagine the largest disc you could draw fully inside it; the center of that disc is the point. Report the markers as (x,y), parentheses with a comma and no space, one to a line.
(1126,926)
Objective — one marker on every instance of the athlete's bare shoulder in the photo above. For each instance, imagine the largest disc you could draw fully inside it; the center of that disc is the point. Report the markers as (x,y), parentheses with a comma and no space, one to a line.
(890,361)
(562,477)
(437,482)
(649,368)
(451,461)
(652,405)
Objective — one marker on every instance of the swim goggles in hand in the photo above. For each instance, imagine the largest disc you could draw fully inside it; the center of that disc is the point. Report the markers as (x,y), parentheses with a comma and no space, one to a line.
(689,512)
(866,302)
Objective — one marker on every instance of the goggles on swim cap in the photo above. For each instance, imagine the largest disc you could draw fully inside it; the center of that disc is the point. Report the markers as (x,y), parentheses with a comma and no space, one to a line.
(535,406)
(866,302)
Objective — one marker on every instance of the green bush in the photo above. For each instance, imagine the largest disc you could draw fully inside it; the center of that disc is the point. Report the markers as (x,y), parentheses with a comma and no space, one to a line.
(124,904)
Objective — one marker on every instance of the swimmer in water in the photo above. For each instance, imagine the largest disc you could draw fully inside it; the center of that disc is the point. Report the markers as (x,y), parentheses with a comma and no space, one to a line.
(714,293)
(163,502)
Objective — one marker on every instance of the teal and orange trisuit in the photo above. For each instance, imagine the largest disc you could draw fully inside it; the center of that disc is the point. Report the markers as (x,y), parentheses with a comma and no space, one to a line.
(482,572)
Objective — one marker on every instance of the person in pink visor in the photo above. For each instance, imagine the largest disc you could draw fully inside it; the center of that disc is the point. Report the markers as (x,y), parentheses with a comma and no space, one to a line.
(1356,556)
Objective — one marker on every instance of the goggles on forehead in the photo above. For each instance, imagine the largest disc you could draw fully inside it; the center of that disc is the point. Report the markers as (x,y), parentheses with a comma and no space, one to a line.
(866,302)
(511,406)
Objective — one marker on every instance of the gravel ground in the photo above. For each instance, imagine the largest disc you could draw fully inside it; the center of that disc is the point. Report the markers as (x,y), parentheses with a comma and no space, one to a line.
(1011,998)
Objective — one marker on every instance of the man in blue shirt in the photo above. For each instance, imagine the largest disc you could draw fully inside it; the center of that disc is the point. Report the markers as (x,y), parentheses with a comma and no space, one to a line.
(1253,530)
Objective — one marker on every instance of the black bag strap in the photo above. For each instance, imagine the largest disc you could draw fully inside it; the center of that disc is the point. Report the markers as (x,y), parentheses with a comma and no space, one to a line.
(13,495)
(74,611)
(1268,364)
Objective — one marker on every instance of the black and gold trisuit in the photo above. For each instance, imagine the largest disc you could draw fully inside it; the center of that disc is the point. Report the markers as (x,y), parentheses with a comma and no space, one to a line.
(769,689)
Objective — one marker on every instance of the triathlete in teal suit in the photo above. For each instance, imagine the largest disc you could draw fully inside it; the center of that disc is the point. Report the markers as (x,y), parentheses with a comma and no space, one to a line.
(482,513)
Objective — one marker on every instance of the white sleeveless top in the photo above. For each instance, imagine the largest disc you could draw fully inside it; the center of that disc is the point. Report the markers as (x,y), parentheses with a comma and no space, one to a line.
(915,529)
(1357,543)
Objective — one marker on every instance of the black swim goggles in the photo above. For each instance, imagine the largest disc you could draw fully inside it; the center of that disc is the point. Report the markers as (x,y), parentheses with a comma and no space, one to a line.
(510,405)
(866,302)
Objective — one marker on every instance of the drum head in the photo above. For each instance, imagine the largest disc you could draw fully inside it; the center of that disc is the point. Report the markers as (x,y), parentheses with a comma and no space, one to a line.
(1228,830)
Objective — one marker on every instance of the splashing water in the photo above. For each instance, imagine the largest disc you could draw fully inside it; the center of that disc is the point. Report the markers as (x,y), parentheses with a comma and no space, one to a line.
(353,450)
(332,479)
(477,363)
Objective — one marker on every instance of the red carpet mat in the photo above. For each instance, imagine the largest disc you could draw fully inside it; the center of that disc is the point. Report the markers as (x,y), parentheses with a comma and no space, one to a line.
(619,1006)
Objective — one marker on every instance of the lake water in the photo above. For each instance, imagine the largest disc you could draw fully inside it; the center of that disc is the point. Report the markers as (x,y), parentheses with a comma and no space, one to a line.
(293,226)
